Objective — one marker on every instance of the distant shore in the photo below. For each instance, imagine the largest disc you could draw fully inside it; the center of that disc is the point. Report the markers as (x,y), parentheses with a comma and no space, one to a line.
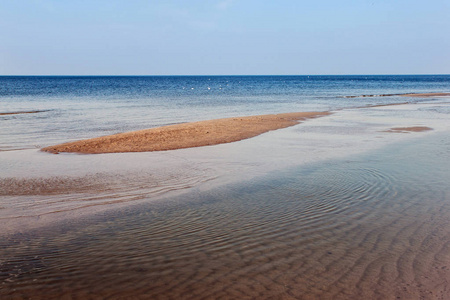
(404,95)
(21,112)
(427,95)
(186,135)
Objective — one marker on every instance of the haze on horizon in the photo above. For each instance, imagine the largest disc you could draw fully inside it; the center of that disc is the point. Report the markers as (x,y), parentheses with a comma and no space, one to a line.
(224,37)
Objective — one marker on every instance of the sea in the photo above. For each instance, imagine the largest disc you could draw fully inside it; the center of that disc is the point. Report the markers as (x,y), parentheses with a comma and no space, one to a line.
(72,108)
(353,205)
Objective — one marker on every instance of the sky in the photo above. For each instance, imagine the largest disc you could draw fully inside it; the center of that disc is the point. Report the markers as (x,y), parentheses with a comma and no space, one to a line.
(224,37)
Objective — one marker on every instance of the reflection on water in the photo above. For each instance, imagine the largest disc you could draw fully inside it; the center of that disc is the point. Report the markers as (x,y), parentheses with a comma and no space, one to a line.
(375,226)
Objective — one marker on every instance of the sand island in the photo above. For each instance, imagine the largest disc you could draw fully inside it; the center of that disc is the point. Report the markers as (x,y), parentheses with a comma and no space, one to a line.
(409,129)
(421,95)
(185,135)
(426,95)
(22,112)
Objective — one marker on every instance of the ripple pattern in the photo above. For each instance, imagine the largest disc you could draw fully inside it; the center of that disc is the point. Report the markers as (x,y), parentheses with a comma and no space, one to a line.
(361,229)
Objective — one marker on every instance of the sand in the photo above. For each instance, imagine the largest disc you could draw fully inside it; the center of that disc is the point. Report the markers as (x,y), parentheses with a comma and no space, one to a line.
(186,135)
(403,95)
(22,112)
(427,95)
(409,129)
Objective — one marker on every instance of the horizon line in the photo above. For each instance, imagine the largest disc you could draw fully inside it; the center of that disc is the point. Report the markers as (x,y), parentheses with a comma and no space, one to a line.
(214,75)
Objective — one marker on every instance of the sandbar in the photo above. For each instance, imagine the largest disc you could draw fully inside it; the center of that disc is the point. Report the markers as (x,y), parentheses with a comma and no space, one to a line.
(22,112)
(185,135)
(403,95)
(409,129)
(427,95)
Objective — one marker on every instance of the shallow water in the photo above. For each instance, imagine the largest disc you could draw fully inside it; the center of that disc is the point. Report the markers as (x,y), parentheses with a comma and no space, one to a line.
(38,188)
(366,227)
(73,108)
(334,208)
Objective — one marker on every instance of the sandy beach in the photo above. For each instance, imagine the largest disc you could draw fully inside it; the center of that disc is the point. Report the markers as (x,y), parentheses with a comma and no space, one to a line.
(187,135)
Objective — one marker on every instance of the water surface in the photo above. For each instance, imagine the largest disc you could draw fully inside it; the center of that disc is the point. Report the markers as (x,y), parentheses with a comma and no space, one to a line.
(337,207)
(365,227)
(77,107)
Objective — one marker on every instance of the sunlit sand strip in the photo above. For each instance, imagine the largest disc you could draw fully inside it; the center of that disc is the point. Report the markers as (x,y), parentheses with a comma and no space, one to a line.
(22,112)
(404,95)
(186,135)
(427,95)
(409,129)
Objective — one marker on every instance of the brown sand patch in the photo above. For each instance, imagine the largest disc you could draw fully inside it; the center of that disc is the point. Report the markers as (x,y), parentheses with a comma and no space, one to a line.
(187,135)
(22,112)
(409,129)
(427,95)
(403,95)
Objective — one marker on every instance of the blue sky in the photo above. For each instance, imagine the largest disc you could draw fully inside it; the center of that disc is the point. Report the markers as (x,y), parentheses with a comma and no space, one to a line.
(137,37)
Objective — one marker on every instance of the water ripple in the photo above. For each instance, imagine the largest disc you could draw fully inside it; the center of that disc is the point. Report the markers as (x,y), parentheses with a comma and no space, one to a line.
(358,229)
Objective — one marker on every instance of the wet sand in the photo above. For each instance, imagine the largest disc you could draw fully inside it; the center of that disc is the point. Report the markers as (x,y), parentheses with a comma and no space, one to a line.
(187,135)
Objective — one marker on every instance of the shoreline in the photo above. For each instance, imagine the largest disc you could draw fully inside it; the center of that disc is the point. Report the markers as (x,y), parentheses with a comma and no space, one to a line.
(185,135)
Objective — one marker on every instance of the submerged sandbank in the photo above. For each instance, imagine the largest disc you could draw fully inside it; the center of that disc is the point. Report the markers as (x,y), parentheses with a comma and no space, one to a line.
(186,135)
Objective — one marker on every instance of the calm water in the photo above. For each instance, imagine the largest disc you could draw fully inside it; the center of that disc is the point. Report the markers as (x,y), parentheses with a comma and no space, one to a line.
(81,107)
(334,208)
(366,228)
